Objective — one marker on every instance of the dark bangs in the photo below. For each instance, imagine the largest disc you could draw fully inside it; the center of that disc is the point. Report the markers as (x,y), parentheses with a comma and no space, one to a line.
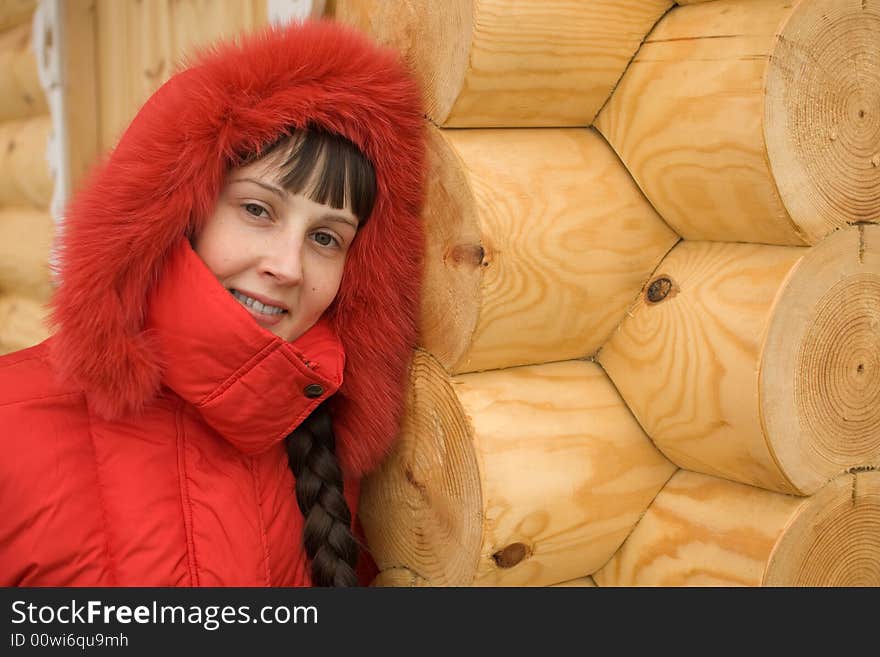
(326,168)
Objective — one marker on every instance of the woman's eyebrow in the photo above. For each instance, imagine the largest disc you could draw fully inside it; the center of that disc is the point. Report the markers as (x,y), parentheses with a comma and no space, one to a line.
(279,191)
(341,219)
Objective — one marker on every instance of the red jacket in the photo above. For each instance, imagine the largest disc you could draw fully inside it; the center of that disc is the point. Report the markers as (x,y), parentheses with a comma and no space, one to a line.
(143,443)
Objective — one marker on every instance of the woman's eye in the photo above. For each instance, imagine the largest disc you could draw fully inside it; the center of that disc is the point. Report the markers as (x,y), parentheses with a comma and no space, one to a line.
(255,209)
(324,239)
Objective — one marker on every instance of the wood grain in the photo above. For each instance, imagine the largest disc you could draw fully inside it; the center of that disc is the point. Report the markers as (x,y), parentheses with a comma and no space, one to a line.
(16,12)
(761,363)
(526,476)
(704,531)
(822,114)
(750,120)
(495,63)
(20,92)
(835,538)
(26,179)
(538,240)
(141,44)
(21,323)
(25,239)
(687,362)
(81,91)
(421,510)
(820,364)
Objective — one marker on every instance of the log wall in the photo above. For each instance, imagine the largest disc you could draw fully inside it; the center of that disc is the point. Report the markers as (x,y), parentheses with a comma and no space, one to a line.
(486,63)
(706,531)
(761,364)
(746,353)
(26,184)
(755,120)
(523,476)
(538,240)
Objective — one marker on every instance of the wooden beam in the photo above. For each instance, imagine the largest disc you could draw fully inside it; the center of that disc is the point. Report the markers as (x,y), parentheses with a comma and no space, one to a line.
(25,239)
(496,63)
(526,476)
(81,90)
(758,363)
(704,531)
(16,12)
(22,323)
(538,241)
(755,120)
(26,179)
(20,92)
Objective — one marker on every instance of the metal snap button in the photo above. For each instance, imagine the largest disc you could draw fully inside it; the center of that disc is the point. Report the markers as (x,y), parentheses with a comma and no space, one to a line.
(313,390)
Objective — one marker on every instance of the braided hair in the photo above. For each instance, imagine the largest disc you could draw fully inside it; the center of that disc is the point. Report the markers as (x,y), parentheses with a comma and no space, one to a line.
(329,543)
(329,169)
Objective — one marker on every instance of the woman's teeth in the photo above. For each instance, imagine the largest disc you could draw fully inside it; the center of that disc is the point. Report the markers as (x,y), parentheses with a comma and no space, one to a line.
(256,305)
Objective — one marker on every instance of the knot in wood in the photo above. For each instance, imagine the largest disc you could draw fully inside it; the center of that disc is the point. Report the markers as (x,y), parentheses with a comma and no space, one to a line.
(658,289)
(511,555)
(472,255)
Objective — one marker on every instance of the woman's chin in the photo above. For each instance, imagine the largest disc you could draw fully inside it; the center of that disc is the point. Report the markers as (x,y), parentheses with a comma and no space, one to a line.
(290,331)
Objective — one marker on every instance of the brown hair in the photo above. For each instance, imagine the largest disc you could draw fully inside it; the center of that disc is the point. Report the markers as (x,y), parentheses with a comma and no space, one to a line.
(325,167)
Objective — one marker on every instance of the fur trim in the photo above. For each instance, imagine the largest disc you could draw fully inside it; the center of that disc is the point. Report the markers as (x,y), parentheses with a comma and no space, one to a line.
(161,182)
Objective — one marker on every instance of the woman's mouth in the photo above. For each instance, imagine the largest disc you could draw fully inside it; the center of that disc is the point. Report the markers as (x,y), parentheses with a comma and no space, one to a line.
(265,314)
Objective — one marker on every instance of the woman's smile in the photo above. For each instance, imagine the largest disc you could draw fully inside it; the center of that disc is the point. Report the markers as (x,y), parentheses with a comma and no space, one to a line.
(267,312)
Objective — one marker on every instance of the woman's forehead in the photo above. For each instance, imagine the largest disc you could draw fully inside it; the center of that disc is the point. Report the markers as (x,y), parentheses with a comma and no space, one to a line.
(268,167)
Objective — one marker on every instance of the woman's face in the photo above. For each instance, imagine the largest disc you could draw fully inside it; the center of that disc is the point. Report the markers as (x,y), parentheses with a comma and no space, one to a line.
(281,255)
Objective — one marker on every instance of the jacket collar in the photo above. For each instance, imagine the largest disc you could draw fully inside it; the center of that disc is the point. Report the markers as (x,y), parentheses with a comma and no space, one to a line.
(248,384)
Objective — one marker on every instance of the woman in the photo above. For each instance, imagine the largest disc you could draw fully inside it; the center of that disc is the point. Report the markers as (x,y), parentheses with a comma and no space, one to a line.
(236,313)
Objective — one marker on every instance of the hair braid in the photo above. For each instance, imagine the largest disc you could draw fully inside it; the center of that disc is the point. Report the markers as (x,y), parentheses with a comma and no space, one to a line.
(329,543)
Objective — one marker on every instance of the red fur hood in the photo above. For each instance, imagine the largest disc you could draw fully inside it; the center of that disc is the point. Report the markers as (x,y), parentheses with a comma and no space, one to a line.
(164,177)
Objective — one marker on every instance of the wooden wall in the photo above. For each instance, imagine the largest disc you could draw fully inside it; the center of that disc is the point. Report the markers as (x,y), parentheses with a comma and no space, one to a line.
(25,183)
(650,324)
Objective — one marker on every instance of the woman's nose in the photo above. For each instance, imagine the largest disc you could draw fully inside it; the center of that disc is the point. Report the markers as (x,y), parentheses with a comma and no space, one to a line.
(284,262)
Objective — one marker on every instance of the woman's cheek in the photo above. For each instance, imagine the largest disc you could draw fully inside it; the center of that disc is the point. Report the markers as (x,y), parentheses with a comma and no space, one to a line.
(327,275)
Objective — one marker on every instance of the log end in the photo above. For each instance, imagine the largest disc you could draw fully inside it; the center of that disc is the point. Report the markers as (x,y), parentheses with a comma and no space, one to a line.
(822,114)
(455,257)
(433,38)
(835,538)
(820,371)
(422,509)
